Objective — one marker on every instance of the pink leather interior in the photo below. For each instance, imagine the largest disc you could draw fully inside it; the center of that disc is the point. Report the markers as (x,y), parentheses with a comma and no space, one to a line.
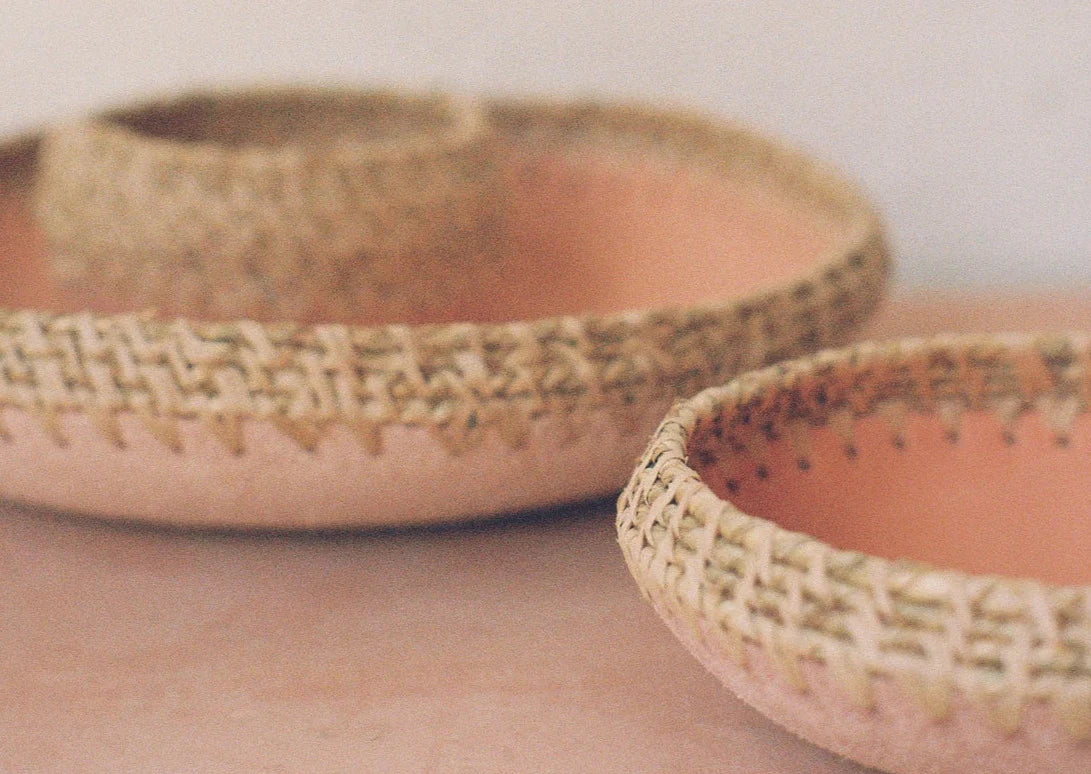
(979,504)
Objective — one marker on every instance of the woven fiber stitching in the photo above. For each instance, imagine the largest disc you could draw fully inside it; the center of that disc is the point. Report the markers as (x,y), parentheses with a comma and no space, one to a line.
(278,201)
(735,579)
(458,381)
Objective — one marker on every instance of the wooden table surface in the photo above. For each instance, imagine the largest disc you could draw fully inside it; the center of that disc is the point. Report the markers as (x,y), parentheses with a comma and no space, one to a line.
(520,645)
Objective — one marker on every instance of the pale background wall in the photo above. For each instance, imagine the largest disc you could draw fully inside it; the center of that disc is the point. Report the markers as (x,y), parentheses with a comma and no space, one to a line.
(970,122)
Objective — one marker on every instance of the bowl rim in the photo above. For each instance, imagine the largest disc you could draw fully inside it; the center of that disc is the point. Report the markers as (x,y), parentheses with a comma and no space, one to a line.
(998,641)
(453,121)
(447,377)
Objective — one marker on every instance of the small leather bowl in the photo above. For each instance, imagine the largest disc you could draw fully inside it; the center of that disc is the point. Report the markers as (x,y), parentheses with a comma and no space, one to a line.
(885,548)
(646,254)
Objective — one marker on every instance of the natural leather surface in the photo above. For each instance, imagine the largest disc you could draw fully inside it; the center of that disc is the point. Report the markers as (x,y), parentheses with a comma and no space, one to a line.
(978,504)
(516,646)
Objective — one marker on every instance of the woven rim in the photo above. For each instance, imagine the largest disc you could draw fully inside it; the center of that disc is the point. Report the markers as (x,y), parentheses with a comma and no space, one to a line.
(459,381)
(272,202)
(734,580)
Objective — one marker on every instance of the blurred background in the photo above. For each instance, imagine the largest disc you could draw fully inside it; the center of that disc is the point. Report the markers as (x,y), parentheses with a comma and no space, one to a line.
(970,123)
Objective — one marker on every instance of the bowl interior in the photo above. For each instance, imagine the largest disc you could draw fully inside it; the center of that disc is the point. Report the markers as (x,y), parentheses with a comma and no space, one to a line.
(282,117)
(586,227)
(978,494)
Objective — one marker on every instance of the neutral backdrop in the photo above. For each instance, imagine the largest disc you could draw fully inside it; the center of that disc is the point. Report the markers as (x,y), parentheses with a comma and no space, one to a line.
(969,122)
